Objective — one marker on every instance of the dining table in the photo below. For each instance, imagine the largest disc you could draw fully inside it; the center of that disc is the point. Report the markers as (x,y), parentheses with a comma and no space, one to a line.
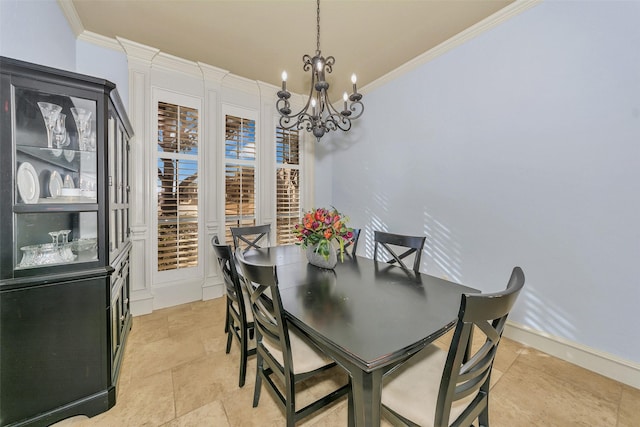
(369,316)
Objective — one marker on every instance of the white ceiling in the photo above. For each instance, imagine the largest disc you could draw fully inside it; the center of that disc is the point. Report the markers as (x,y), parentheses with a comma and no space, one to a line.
(258,39)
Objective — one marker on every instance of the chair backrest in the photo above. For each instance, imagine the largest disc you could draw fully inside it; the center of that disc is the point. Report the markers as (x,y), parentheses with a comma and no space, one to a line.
(351,247)
(388,241)
(467,374)
(268,314)
(225,257)
(252,236)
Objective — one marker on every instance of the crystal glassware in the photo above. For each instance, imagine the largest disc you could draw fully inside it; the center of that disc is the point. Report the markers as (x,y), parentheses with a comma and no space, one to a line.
(54,236)
(83,124)
(60,131)
(50,113)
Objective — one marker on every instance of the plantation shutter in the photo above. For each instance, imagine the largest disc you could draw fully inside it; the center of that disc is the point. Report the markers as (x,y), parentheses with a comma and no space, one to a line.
(177,187)
(240,180)
(287,184)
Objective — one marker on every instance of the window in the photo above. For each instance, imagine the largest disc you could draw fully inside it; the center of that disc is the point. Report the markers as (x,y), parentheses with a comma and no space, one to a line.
(177,186)
(240,173)
(287,184)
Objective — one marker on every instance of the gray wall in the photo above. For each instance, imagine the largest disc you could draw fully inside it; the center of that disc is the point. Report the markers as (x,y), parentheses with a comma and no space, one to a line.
(520,147)
(38,32)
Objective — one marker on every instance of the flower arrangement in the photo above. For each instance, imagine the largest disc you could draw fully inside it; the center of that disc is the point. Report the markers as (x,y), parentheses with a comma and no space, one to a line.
(320,227)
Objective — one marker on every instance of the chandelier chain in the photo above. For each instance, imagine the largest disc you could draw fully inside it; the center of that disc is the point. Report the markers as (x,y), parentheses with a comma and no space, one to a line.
(318,26)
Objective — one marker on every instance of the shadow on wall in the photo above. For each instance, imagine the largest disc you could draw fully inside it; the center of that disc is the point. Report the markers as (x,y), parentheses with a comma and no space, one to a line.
(442,248)
(443,257)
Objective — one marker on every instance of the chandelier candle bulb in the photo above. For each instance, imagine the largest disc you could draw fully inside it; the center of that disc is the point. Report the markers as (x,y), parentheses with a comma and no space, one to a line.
(345,97)
(284,81)
(313,106)
(353,80)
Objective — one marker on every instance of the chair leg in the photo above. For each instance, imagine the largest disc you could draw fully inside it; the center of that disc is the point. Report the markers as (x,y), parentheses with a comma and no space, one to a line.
(290,404)
(229,336)
(243,358)
(483,417)
(258,386)
(226,318)
(351,416)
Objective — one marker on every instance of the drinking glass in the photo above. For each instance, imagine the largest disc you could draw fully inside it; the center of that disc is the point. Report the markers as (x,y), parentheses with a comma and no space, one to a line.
(50,113)
(83,124)
(54,236)
(60,131)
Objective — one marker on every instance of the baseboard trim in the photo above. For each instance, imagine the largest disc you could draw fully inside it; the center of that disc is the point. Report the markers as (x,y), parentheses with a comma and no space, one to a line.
(605,364)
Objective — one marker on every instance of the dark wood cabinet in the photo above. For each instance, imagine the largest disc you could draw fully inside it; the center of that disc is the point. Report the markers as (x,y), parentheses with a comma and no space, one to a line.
(64,243)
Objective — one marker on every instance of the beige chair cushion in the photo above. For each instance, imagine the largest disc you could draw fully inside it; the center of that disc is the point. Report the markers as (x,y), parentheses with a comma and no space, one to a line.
(412,389)
(305,357)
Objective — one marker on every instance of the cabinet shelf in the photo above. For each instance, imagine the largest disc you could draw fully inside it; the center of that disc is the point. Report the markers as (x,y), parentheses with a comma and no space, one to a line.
(60,157)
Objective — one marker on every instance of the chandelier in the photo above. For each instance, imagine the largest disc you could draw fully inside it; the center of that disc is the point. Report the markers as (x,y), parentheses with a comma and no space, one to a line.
(318,114)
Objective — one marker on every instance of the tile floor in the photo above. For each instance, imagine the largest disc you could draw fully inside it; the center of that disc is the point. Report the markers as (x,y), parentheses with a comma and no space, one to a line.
(175,373)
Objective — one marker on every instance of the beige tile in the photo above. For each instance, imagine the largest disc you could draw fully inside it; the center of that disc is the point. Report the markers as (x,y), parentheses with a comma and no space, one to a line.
(211,414)
(147,402)
(150,330)
(71,421)
(527,395)
(168,353)
(629,412)
(602,387)
(203,380)
(238,406)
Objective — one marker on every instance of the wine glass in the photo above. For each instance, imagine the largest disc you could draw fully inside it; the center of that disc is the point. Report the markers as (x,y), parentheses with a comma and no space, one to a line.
(83,124)
(60,131)
(50,113)
(54,237)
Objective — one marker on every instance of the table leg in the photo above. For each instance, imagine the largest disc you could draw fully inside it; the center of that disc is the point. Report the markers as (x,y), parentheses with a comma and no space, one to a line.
(367,390)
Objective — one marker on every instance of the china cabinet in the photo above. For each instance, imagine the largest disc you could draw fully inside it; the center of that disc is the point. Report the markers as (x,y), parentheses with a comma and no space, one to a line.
(64,243)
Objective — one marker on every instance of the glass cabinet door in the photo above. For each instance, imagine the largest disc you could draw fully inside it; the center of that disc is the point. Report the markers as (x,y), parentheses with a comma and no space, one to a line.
(55,178)
(47,239)
(55,142)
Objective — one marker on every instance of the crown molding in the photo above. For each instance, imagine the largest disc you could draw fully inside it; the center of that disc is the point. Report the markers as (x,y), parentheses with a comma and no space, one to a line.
(486,24)
(69,11)
(100,40)
(231,81)
(211,73)
(137,50)
(173,63)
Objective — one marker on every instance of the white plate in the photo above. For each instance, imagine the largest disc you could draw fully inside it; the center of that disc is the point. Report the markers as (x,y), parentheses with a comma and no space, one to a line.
(69,155)
(28,185)
(55,184)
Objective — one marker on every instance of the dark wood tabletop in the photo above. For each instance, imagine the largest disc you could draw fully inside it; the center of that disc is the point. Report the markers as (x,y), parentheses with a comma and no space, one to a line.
(367,315)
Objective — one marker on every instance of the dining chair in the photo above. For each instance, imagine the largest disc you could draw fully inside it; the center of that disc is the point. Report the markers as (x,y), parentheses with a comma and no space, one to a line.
(393,244)
(438,388)
(351,247)
(239,317)
(252,236)
(283,354)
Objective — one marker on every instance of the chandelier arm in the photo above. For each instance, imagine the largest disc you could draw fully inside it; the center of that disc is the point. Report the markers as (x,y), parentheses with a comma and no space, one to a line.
(340,122)
(358,108)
